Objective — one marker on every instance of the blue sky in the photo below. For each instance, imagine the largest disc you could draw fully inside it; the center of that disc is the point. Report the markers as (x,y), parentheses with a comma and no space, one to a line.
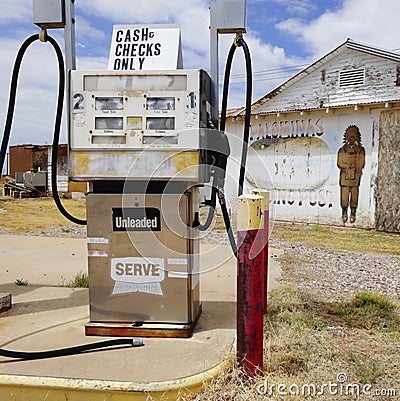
(283,35)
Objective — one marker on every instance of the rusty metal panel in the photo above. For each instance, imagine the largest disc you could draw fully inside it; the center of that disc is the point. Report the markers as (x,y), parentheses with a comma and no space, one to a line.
(20,159)
(81,186)
(35,158)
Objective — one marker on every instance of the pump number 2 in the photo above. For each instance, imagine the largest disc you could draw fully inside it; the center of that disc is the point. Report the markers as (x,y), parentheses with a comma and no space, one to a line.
(78,102)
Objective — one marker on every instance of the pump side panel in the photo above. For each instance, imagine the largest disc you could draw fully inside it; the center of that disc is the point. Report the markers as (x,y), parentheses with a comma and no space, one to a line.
(139,264)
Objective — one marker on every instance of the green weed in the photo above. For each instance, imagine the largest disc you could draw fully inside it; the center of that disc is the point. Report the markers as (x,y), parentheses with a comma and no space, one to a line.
(80,280)
(21,282)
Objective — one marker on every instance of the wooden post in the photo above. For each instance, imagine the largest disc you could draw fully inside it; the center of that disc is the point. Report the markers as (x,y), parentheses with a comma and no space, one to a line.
(265,225)
(250,285)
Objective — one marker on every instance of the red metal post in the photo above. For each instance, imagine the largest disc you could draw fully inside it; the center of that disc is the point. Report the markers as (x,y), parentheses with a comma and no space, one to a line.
(250,285)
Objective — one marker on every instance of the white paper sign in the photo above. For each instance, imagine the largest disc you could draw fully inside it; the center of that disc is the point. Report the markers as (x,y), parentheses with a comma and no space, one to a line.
(137,275)
(145,47)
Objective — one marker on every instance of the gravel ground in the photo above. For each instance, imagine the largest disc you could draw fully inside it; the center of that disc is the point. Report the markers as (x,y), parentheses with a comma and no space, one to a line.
(333,275)
(338,275)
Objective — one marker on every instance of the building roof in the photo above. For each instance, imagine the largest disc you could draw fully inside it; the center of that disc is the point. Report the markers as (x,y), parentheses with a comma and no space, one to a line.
(348,44)
(234,112)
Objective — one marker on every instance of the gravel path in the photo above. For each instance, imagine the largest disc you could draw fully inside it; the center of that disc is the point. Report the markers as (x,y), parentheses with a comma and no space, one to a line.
(333,275)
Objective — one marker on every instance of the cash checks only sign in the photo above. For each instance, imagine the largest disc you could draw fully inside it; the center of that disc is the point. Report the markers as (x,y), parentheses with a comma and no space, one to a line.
(145,47)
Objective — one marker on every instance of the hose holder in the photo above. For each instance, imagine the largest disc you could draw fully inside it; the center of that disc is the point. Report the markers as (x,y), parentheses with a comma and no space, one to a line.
(43,34)
(239,35)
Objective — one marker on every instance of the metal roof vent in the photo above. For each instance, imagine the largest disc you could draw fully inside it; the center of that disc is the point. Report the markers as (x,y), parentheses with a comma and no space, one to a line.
(352,77)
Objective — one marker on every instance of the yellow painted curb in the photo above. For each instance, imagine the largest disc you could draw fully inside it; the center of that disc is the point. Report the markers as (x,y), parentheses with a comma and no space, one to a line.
(33,388)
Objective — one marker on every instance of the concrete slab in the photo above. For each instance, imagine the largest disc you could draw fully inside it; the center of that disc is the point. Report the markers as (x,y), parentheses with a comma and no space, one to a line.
(45,316)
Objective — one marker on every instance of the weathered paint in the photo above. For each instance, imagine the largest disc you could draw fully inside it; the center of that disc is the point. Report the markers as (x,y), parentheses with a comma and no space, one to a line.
(31,388)
(300,169)
(265,239)
(250,285)
(293,159)
(249,212)
(135,164)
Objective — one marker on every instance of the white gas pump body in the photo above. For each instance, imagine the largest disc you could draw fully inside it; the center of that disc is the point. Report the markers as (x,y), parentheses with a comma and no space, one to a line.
(138,124)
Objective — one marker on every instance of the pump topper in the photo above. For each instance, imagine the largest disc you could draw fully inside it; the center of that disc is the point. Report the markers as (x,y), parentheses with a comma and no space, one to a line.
(145,47)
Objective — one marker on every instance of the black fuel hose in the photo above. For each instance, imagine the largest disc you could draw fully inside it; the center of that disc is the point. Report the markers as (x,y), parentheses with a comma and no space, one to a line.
(56,134)
(70,350)
(210,215)
(215,192)
(227,222)
(57,122)
(246,131)
(249,87)
(12,97)
(225,90)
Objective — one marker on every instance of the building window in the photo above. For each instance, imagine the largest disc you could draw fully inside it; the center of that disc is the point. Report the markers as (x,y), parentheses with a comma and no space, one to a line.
(323,76)
(352,77)
(397,82)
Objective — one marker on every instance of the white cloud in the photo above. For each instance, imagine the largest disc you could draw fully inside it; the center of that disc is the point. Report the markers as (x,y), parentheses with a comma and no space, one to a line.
(15,10)
(296,6)
(85,30)
(191,15)
(368,21)
(265,58)
(92,63)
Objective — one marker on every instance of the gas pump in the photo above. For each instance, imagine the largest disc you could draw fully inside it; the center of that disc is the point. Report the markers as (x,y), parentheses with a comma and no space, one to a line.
(142,140)
(147,141)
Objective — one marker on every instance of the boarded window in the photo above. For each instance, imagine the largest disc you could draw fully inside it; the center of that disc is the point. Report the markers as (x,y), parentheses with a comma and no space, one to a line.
(352,77)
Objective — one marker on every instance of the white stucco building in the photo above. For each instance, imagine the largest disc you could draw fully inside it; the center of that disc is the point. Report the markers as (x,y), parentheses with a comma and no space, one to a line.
(297,131)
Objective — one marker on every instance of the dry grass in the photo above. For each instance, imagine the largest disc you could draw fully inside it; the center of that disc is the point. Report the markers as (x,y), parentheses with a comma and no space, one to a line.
(338,238)
(310,343)
(37,214)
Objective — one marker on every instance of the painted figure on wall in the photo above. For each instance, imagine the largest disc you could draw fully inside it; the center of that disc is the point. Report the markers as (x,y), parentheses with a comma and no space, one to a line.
(351,161)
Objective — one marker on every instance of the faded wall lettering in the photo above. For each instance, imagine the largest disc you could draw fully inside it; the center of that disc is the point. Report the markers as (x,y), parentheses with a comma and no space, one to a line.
(287,129)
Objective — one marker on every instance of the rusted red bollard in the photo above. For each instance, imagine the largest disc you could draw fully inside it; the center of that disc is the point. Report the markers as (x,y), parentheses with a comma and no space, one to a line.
(265,233)
(250,285)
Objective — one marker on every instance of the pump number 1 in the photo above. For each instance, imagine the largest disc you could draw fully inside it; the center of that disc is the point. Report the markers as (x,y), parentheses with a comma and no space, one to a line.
(78,102)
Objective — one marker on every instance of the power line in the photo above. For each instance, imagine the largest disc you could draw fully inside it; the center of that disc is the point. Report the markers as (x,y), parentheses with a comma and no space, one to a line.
(272,71)
(268,75)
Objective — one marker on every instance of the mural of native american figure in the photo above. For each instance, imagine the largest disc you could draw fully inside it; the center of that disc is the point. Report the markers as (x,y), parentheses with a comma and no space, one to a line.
(351,161)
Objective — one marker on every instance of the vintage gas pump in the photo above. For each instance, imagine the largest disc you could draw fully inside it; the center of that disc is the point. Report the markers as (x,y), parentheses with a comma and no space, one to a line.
(146,140)
(141,139)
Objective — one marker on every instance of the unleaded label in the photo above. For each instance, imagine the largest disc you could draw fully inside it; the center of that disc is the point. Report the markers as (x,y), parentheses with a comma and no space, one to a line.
(136,219)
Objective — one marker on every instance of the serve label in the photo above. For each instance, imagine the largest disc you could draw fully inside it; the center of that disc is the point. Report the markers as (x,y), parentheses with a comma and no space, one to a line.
(137,274)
